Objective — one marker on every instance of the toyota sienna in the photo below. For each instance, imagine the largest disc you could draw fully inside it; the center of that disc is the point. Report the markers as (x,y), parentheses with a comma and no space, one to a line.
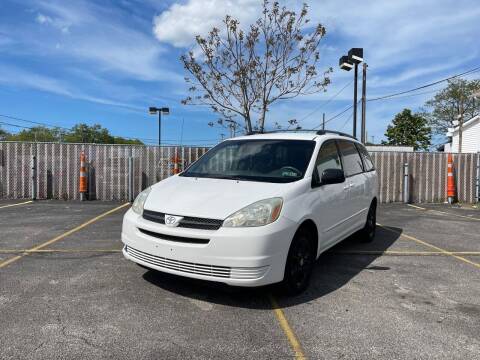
(256,210)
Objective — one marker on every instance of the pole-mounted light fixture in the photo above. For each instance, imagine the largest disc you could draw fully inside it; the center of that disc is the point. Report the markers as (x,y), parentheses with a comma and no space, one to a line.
(165,111)
(347,62)
(355,55)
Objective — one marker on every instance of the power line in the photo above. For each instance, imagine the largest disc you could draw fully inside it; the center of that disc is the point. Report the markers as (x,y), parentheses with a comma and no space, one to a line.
(412,95)
(70,129)
(471,71)
(426,85)
(33,122)
(327,102)
(15,125)
(346,122)
(337,115)
(153,141)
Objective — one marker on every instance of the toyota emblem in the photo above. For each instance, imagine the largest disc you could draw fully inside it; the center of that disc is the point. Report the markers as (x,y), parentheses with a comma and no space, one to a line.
(172,221)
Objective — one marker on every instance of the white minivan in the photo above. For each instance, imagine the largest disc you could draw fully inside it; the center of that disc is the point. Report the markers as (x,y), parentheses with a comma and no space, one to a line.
(256,210)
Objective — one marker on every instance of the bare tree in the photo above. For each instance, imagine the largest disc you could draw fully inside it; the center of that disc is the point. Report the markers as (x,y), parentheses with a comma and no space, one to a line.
(242,73)
(458,99)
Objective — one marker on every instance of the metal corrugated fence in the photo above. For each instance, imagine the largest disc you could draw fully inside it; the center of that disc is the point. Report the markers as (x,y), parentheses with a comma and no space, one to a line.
(428,176)
(58,167)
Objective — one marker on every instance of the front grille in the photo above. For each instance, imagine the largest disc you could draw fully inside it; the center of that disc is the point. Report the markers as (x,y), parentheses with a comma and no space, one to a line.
(186,222)
(241,273)
(183,266)
(154,216)
(175,238)
(200,223)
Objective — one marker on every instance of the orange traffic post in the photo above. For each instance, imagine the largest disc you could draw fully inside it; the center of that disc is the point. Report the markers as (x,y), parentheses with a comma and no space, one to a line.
(450,181)
(176,162)
(83,177)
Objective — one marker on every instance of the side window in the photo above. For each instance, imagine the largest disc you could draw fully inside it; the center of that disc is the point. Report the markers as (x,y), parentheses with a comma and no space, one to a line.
(367,160)
(328,158)
(352,163)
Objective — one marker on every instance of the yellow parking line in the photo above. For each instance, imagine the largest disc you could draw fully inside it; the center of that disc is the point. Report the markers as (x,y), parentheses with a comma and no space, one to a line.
(22,203)
(60,237)
(416,207)
(357,252)
(444,212)
(405,253)
(446,252)
(450,214)
(17,251)
(289,333)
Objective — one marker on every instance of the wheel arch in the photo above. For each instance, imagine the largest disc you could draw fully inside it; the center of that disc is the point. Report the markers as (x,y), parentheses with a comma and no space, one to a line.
(312,227)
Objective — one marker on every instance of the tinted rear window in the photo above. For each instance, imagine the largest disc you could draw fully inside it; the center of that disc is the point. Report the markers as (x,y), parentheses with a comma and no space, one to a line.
(367,160)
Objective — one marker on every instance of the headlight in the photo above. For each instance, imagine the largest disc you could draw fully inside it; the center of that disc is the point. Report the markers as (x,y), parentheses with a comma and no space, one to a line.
(137,206)
(260,213)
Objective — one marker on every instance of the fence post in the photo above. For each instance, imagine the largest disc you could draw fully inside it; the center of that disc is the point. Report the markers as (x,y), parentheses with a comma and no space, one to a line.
(478,178)
(34,177)
(406,184)
(130,179)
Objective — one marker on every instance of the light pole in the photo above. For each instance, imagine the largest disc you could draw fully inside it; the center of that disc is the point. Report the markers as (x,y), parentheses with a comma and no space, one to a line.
(154,110)
(363,137)
(347,62)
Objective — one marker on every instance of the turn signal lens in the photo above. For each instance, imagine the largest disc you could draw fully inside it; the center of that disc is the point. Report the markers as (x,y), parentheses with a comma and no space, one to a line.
(139,202)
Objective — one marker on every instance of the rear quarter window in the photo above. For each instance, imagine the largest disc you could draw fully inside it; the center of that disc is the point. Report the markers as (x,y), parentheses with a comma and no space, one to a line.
(367,160)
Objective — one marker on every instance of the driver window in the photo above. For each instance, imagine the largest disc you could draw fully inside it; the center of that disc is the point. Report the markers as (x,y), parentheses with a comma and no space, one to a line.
(328,158)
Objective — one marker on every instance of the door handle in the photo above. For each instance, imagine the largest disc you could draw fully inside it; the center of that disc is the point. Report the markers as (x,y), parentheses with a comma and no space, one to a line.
(346,187)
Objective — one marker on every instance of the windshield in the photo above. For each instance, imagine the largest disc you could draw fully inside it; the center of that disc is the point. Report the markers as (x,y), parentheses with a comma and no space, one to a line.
(279,161)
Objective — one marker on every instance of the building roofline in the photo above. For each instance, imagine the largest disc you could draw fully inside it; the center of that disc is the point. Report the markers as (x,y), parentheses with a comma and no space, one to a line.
(467,123)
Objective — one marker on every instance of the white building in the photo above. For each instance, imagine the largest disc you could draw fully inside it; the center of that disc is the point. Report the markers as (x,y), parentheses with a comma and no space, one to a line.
(470,137)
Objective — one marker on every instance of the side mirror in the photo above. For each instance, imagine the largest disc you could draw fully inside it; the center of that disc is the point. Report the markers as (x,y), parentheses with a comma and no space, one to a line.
(332,176)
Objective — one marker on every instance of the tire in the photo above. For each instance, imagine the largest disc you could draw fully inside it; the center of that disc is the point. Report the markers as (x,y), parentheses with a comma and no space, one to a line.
(300,262)
(367,234)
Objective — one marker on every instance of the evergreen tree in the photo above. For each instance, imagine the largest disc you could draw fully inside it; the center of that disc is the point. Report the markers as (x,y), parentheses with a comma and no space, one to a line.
(409,129)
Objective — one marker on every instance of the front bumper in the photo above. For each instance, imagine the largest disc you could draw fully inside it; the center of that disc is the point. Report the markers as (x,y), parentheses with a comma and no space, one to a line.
(235,256)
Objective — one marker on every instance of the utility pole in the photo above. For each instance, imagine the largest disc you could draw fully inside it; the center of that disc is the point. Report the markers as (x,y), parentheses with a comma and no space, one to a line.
(232,125)
(355,101)
(323,122)
(460,124)
(159,128)
(364,103)
(181,133)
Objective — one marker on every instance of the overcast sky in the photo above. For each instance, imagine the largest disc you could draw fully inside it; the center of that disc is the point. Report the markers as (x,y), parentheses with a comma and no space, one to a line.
(107,61)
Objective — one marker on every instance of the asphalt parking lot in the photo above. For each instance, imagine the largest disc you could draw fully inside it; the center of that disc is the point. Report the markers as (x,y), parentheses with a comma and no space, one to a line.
(67,292)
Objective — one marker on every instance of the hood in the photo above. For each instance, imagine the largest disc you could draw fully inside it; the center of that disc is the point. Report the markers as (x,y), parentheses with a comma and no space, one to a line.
(208,198)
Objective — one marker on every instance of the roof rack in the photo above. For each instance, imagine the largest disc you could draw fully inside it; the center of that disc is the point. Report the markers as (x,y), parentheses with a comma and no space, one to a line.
(318,132)
(325,132)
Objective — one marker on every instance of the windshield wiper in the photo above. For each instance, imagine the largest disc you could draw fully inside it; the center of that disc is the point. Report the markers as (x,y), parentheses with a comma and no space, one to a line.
(241,178)
(229,177)
(213,176)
